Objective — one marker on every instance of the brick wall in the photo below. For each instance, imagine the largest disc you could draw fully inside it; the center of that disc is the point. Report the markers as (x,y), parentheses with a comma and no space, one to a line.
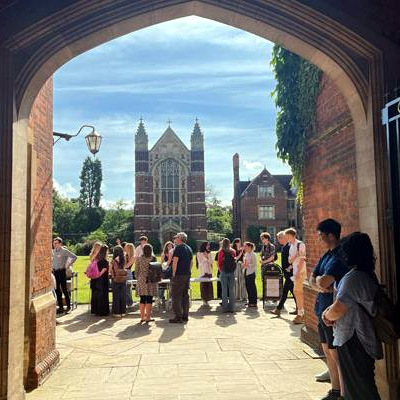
(330,184)
(41,355)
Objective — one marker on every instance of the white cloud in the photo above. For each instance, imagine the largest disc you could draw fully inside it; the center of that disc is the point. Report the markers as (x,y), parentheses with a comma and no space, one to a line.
(66,189)
(110,204)
(252,165)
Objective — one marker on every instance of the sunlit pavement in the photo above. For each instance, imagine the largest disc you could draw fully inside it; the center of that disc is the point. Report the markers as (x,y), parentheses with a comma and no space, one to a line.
(248,355)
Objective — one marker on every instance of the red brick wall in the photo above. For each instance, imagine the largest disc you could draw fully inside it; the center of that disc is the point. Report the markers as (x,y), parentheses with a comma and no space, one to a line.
(330,183)
(41,122)
(42,354)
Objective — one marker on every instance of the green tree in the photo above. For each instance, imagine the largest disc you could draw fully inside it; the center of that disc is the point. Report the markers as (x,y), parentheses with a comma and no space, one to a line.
(91,178)
(219,220)
(253,234)
(88,220)
(118,223)
(65,212)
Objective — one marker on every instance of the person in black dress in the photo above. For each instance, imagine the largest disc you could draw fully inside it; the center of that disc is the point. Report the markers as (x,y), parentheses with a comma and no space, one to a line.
(99,303)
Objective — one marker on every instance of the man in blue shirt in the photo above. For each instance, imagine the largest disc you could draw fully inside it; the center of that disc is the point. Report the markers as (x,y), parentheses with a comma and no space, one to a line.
(329,269)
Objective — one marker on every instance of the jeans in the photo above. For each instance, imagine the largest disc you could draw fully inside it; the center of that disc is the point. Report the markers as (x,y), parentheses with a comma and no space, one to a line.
(129,300)
(228,290)
(251,288)
(287,287)
(61,287)
(180,295)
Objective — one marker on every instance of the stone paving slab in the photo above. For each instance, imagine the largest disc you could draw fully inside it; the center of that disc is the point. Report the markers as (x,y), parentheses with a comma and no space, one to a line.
(251,355)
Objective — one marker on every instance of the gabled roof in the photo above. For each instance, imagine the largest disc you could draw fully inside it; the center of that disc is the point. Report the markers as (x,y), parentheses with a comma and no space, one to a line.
(169,136)
(283,180)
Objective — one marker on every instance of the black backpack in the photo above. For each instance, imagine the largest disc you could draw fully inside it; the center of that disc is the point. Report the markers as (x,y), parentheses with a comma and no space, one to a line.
(154,275)
(228,262)
(386,320)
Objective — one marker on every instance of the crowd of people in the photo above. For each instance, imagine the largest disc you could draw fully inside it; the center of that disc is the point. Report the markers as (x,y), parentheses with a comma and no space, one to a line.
(345,325)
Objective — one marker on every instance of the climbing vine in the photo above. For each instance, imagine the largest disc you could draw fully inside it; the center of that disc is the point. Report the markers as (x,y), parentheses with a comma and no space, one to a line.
(295,96)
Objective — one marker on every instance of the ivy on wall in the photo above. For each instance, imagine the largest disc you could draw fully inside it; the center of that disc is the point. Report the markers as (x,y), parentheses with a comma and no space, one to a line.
(295,95)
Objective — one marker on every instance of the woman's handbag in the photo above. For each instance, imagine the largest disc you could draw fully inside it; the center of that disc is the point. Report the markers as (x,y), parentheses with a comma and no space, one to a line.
(155,272)
(92,271)
(120,274)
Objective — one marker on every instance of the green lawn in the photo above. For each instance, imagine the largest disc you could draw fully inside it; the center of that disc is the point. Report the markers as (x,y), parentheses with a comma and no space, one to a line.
(84,288)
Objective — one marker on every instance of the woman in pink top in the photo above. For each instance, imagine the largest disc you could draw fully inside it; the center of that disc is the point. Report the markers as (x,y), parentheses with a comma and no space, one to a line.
(205,265)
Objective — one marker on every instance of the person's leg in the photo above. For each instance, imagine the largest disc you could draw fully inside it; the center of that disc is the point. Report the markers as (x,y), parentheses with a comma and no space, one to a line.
(149,305)
(63,283)
(123,298)
(129,299)
(332,367)
(254,290)
(248,289)
(224,290)
(287,286)
(185,297)
(176,291)
(142,308)
(58,291)
(114,299)
(232,294)
(298,292)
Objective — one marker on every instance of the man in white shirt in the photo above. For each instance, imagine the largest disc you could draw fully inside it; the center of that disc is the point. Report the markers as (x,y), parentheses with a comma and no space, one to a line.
(297,258)
(139,250)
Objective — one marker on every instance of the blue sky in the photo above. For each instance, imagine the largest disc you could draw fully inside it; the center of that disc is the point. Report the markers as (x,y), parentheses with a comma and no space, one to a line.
(179,70)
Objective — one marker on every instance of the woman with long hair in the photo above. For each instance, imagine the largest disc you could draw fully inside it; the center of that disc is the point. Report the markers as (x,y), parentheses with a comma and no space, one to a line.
(166,261)
(95,249)
(205,265)
(99,300)
(351,318)
(250,268)
(227,267)
(119,275)
(144,289)
(240,283)
(129,249)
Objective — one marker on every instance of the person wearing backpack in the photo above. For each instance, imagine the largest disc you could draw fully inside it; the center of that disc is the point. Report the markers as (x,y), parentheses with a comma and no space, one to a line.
(351,317)
(99,303)
(119,278)
(227,267)
(145,289)
(297,258)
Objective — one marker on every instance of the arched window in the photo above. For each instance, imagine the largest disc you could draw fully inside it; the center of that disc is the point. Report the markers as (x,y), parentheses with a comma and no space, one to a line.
(169,174)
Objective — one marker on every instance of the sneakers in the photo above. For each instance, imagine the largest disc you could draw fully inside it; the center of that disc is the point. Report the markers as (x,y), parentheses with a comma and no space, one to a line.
(332,395)
(298,319)
(323,377)
(277,312)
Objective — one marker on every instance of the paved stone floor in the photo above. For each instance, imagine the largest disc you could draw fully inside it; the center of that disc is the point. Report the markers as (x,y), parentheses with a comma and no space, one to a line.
(251,355)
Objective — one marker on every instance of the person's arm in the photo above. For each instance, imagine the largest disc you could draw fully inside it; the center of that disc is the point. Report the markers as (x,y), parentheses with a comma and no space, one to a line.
(170,253)
(71,255)
(220,260)
(334,312)
(271,258)
(137,268)
(112,269)
(191,261)
(174,265)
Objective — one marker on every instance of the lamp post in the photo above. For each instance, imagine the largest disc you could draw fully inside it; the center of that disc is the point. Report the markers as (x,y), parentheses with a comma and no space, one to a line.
(93,139)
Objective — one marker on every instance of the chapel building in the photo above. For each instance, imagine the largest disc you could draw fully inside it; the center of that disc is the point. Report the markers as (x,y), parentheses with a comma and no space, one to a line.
(267,202)
(169,186)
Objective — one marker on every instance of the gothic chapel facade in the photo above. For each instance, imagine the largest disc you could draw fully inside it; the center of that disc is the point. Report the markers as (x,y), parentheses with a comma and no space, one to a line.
(169,186)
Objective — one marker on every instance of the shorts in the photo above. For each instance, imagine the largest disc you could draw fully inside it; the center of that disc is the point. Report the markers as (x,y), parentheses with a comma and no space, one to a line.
(325,334)
(146,299)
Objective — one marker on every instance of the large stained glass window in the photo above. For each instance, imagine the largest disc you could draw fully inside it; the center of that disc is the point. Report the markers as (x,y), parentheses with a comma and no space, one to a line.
(169,174)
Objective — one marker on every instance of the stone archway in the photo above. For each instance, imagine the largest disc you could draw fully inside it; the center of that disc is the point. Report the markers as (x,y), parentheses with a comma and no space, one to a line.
(39,43)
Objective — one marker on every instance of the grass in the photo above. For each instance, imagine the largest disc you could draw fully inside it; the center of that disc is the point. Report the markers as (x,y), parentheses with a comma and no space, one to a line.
(84,289)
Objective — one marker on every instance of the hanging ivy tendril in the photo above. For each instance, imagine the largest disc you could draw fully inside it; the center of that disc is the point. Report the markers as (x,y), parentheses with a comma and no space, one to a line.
(295,96)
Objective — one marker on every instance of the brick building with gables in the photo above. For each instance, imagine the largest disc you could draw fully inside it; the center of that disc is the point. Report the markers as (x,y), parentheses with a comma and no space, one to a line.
(169,186)
(267,202)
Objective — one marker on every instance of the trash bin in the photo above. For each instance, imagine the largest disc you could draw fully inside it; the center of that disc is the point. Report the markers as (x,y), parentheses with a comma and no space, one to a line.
(272,282)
